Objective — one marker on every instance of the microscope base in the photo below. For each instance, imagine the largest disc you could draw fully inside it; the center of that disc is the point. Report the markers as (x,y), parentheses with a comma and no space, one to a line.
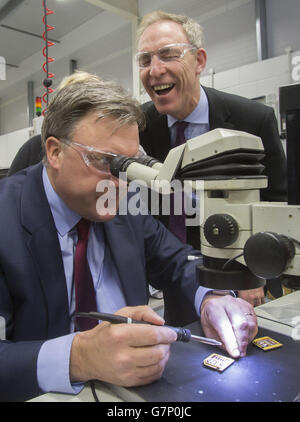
(238,279)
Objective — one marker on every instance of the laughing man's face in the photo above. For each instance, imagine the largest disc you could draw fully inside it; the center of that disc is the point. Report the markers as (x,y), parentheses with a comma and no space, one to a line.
(173,86)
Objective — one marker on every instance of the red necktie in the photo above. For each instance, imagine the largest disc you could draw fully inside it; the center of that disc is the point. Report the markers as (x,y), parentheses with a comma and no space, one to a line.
(177,222)
(85,297)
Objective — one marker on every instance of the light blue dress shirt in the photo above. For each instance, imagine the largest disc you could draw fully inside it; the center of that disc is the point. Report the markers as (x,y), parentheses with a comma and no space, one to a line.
(198,120)
(53,359)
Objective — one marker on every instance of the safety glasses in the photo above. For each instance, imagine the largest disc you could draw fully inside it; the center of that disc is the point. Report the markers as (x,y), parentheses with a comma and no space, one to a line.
(167,53)
(94,157)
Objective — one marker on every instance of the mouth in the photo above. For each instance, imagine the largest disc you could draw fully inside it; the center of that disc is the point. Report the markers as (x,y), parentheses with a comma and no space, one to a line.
(163,89)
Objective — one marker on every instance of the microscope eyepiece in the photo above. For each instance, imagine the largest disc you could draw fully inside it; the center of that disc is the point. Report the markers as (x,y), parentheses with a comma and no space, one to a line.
(120,163)
(147,160)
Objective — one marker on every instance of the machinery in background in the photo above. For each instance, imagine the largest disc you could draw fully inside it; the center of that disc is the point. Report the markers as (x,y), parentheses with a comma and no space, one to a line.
(289,105)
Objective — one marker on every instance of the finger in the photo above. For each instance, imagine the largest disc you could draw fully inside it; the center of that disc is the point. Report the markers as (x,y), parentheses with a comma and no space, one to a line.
(141,371)
(154,371)
(215,320)
(139,335)
(252,323)
(244,323)
(257,301)
(241,331)
(227,335)
(150,355)
(147,375)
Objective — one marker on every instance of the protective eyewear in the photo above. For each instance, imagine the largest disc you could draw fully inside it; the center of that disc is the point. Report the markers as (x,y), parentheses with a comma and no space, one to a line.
(165,54)
(94,157)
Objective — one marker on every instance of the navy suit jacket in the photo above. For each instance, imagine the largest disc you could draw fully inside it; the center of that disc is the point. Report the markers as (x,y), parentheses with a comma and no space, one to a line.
(33,294)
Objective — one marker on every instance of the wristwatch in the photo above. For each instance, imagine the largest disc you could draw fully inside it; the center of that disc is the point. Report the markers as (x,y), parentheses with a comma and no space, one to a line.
(222,292)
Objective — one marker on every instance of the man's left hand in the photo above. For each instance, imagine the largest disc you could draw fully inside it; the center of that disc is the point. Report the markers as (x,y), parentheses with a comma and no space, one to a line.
(254,296)
(229,320)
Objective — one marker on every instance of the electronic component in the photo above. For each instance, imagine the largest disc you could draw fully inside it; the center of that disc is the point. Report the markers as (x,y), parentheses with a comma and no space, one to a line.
(218,362)
(266,343)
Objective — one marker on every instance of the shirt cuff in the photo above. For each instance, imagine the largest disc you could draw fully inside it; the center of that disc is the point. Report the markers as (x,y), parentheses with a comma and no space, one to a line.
(53,366)
(202,292)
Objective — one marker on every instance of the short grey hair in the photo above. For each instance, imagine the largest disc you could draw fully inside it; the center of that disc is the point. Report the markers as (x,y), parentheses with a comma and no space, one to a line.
(193,29)
(83,93)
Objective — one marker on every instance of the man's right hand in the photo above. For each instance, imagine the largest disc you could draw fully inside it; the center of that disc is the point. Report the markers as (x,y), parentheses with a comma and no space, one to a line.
(123,354)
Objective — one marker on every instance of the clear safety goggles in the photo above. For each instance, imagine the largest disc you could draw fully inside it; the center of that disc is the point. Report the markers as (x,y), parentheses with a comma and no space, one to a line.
(94,157)
(165,54)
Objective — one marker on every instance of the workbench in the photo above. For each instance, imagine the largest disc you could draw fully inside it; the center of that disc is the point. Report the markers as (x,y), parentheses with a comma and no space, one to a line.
(272,376)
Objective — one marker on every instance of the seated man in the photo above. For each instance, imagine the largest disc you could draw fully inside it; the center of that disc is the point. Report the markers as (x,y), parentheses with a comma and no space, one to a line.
(51,213)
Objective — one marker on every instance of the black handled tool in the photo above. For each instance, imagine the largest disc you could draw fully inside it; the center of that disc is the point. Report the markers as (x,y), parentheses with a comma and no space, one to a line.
(183,334)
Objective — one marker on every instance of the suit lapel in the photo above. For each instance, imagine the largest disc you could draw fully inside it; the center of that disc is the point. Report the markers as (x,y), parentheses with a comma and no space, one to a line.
(44,248)
(128,258)
(158,134)
(219,113)
(163,133)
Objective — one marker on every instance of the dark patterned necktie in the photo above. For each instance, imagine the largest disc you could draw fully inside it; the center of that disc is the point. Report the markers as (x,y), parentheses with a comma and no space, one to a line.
(177,222)
(85,297)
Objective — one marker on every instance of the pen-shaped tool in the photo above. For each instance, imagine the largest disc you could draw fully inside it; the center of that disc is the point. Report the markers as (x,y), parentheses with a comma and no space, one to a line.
(183,334)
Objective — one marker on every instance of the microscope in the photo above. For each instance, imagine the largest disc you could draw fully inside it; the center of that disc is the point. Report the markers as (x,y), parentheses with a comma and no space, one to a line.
(244,241)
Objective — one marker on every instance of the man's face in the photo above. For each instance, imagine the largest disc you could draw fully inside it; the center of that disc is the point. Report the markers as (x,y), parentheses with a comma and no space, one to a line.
(74,181)
(181,76)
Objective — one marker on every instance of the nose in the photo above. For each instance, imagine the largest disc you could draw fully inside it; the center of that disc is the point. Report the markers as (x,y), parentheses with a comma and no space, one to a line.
(157,67)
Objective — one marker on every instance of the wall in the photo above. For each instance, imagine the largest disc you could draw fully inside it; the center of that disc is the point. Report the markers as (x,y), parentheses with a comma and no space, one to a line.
(10,144)
(256,80)
(283,25)
(230,41)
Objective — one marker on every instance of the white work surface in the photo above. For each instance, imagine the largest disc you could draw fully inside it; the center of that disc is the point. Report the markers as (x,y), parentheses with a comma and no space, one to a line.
(279,315)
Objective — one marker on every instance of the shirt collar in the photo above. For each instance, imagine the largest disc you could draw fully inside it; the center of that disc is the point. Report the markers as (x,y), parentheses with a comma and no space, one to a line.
(64,218)
(199,115)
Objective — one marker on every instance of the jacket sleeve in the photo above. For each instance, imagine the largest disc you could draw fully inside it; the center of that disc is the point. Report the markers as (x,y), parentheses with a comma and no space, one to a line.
(18,370)
(168,269)
(18,360)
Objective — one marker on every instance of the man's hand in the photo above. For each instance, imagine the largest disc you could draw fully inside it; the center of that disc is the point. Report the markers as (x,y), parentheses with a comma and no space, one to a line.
(229,320)
(123,354)
(254,296)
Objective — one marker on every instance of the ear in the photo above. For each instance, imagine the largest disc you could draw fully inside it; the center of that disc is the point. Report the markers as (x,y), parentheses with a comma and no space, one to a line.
(201,60)
(54,152)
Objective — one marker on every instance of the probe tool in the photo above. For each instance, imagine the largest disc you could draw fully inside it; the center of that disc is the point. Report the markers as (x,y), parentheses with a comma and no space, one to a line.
(183,334)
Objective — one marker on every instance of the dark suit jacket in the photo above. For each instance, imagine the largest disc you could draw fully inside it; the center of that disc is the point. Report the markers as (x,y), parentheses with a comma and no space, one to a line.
(229,112)
(33,294)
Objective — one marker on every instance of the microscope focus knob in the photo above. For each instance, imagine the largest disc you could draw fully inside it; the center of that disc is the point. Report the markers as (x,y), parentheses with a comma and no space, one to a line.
(221,230)
(268,254)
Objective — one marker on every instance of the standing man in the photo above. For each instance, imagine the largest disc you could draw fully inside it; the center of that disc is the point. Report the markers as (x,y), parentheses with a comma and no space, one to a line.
(62,250)
(171,58)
